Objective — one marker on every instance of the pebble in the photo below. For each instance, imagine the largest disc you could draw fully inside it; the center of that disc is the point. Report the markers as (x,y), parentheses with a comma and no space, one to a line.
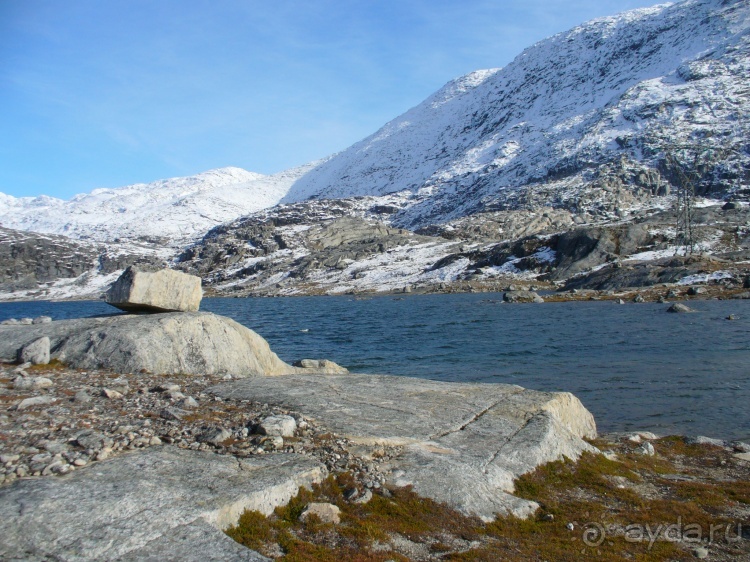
(188,402)
(326,512)
(283,426)
(82,397)
(700,553)
(84,428)
(214,435)
(646,449)
(31,383)
(111,394)
(36,401)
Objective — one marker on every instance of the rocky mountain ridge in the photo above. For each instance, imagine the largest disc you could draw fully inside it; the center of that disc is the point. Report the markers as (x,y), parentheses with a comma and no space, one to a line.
(583,121)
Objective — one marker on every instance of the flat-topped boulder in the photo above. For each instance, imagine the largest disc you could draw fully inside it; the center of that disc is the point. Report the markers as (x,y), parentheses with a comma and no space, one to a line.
(163,290)
(162,503)
(463,444)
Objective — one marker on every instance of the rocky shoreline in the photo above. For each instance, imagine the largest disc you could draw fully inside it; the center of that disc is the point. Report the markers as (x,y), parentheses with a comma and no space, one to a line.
(90,418)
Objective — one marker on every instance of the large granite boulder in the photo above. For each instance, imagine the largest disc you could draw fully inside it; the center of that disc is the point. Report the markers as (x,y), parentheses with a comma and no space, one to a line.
(163,503)
(462,444)
(164,290)
(170,343)
(189,343)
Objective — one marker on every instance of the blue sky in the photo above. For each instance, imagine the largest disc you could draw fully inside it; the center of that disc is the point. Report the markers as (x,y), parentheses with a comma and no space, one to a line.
(108,93)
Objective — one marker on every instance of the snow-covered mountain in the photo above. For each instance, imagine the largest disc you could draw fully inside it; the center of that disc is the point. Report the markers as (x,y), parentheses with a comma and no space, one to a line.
(168,212)
(613,90)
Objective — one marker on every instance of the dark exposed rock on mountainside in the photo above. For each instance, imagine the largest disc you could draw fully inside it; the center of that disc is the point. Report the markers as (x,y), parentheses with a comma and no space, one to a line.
(31,261)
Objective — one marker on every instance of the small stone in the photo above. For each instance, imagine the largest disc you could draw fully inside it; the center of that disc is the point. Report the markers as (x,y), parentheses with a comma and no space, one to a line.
(547,517)
(731,317)
(26,321)
(274,442)
(188,402)
(10,322)
(694,291)
(80,462)
(6,458)
(55,447)
(41,320)
(703,440)
(700,553)
(679,308)
(167,387)
(646,449)
(738,446)
(90,439)
(639,299)
(647,435)
(226,377)
(31,383)
(283,426)
(364,498)
(82,397)
(172,414)
(154,441)
(51,467)
(215,435)
(111,394)
(36,401)
(351,494)
(570,527)
(104,454)
(37,352)
(62,468)
(326,512)
(620,301)
(175,395)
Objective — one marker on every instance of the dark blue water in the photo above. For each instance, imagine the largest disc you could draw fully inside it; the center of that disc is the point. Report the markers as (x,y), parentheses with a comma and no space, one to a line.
(633,366)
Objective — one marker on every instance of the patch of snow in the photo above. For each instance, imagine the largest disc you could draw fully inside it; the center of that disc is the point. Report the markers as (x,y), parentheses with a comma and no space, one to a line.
(705,278)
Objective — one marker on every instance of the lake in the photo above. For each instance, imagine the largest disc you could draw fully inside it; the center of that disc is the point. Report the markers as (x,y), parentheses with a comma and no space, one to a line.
(634,366)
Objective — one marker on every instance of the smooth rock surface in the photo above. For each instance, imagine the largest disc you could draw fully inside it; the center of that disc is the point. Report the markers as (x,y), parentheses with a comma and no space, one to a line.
(679,308)
(165,290)
(170,343)
(463,444)
(160,504)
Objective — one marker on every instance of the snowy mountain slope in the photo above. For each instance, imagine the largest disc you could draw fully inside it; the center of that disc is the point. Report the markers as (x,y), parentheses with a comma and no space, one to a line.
(168,212)
(614,89)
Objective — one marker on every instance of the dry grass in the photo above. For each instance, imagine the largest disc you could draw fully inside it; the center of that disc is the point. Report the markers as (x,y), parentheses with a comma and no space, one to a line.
(684,484)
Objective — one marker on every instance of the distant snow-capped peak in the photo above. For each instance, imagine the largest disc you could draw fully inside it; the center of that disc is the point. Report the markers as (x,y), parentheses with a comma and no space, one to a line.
(169,211)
